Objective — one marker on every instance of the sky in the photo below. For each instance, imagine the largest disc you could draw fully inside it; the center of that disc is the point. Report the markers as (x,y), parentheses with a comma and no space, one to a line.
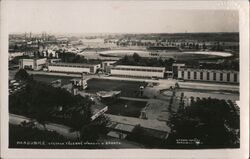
(94,17)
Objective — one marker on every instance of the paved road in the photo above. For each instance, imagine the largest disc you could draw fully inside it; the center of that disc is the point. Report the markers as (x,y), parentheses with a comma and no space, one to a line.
(164,83)
(60,129)
(135,99)
(209,86)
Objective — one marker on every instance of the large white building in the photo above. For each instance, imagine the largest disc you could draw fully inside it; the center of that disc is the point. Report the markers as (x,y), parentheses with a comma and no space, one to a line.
(137,71)
(73,67)
(33,64)
(209,75)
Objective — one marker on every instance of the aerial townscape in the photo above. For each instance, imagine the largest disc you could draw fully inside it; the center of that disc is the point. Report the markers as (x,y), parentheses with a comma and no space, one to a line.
(124,90)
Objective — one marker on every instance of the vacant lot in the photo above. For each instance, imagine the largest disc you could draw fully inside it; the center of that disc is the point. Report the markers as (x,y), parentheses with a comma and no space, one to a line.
(48,78)
(127,88)
(125,107)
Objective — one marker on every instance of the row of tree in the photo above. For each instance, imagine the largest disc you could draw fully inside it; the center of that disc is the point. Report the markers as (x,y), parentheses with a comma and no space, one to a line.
(48,104)
(74,58)
(137,60)
(211,122)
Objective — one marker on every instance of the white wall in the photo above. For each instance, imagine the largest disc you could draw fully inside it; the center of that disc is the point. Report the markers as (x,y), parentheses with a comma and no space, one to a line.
(27,62)
(41,61)
(137,73)
(211,74)
(68,69)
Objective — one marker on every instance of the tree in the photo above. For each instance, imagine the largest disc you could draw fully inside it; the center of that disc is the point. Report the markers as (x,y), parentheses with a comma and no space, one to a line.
(81,115)
(206,120)
(136,57)
(22,75)
(96,128)
(125,60)
(40,101)
(50,55)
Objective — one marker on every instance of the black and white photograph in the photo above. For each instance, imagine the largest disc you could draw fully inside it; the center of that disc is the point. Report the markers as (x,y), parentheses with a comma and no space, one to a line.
(114,75)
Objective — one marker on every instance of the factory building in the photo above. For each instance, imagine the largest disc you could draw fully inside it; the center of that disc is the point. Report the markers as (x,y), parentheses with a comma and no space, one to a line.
(138,71)
(73,67)
(32,64)
(228,76)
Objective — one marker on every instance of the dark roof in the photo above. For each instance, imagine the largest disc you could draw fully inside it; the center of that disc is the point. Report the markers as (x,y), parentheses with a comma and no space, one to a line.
(166,48)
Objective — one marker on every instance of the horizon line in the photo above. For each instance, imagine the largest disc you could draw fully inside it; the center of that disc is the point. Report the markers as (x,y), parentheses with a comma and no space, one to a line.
(119,32)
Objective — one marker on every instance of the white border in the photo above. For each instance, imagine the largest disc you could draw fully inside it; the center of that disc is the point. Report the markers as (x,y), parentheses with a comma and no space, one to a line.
(242,153)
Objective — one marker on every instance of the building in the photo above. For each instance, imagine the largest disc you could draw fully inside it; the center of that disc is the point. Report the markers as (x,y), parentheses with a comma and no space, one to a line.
(32,64)
(73,67)
(79,83)
(176,67)
(138,71)
(228,76)
(106,65)
(12,55)
(54,60)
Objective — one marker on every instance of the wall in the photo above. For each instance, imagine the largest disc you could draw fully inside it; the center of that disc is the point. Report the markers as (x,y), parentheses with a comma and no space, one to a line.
(68,69)
(211,75)
(26,62)
(137,73)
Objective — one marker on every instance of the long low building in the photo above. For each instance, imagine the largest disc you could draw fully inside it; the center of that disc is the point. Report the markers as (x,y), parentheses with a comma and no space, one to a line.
(137,71)
(33,64)
(73,67)
(228,76)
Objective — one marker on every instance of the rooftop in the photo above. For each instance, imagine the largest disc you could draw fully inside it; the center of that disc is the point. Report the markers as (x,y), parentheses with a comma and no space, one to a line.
(72,64)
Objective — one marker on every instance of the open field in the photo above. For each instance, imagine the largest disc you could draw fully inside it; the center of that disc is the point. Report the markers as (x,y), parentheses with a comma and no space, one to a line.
(117,54)
(127,88)
(125,107)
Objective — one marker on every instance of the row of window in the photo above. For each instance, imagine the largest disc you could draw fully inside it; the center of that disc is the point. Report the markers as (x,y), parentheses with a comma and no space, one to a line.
(235,77)
(76,66)
(138,69)
(119,75)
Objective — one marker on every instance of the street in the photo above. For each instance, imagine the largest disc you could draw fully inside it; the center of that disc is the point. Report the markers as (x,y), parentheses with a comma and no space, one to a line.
(163,83)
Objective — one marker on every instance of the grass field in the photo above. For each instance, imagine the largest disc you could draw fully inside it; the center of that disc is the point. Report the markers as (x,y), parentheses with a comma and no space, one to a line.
(127,88)
(125,107)
(48,78)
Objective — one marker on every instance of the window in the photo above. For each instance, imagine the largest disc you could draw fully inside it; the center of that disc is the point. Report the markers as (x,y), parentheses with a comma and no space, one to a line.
(214,77)
(221,76)
(228,77)
(188,75)
(195,75)
(208,76)
(235,77)
(182,74)
(201,75)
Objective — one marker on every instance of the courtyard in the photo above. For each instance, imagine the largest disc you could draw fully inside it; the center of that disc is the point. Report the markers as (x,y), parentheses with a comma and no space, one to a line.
(124,107)
(127,88)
